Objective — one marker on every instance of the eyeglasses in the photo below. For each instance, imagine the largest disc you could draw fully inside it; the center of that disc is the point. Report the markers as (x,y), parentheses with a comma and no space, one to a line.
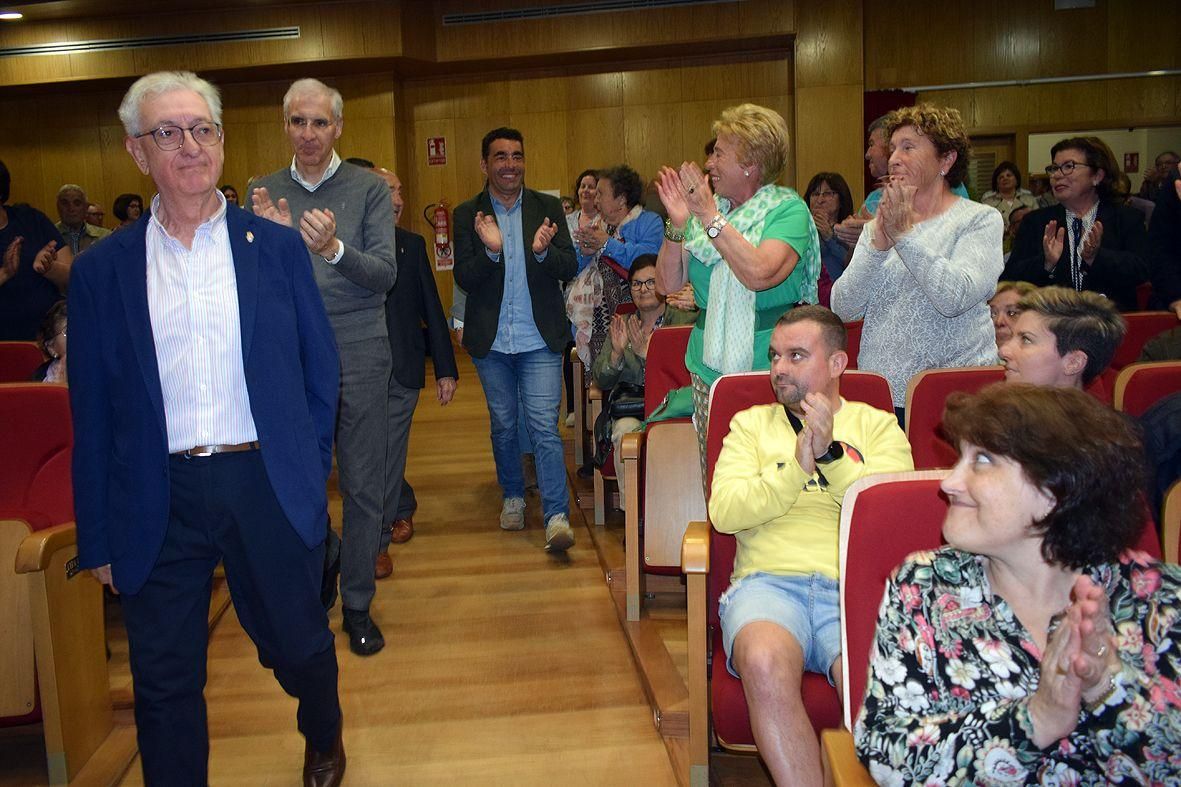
(173,137)
(825,194)
(644,284)
(1065,168)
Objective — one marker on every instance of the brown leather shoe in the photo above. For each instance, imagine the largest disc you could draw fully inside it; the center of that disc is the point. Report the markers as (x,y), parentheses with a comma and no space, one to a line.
(385,566)
(322,769)
(402,530)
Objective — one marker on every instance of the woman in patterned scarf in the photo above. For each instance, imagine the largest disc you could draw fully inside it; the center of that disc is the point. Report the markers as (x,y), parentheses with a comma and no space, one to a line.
(1035,648)
(748,246)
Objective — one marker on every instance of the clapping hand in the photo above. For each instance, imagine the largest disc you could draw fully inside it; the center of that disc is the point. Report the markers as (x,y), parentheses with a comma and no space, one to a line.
(1053,242)
(617,333)
(824,224)
(672,195)
(698,195)
(591,238)
(545,233)
(12,259)
(683,298)
(318,228)
(45,258)
(638,335)
(489,232)
(895,215)
(260,198)
(816,436)
(1091,243)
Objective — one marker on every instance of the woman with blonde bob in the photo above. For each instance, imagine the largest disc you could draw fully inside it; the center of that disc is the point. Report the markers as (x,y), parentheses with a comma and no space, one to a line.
(749,247)
(925,267)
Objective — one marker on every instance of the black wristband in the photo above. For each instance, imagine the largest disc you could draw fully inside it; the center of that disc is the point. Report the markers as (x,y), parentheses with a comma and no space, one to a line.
(835,451)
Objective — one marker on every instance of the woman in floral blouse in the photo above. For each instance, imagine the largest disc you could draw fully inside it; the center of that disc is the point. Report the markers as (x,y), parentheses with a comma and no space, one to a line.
(1034,648)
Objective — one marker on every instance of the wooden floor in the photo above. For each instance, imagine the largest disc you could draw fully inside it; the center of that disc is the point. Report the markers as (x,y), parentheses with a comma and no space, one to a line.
(502,665)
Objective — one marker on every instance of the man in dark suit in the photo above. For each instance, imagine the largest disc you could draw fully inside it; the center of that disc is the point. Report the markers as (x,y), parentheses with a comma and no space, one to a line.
(1164,244)
(204,377)
(411,304)
(512,252)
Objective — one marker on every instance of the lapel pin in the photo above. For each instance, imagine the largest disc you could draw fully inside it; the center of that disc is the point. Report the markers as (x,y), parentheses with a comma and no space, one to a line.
(249,237)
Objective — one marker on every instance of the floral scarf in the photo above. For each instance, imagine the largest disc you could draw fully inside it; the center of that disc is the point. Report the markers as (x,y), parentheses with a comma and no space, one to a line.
(585,293)
(730,316)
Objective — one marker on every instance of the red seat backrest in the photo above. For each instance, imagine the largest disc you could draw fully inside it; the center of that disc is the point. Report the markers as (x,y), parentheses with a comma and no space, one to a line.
(925,398)
(38,438)
(1141,385)
(665,368)
(1142,326)
(868,387)
(853,341)
(18,361)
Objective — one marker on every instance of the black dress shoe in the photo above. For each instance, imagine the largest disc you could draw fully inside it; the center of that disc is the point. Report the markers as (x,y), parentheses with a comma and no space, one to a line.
(364,636)
(324,769)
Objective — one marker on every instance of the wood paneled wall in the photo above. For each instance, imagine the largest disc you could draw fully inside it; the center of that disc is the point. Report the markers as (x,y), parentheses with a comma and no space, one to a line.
(46,145)
(643,117)
(919,43)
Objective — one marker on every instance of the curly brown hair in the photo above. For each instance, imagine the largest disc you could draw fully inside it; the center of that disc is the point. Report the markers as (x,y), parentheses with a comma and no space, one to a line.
(1088,456)
(944,127)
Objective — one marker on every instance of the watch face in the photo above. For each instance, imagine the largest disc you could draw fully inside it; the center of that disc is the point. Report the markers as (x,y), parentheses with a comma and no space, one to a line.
(713,232)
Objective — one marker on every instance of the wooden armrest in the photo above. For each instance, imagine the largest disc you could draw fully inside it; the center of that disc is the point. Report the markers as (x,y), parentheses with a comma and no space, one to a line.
(37,548)
(841,766)
(594,393)
(574,355)
(629,448)
(695,549)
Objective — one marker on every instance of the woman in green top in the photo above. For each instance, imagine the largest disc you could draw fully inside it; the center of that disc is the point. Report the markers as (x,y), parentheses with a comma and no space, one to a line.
(748,246)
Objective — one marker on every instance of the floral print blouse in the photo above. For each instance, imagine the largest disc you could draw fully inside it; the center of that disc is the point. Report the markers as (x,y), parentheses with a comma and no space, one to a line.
(952,672)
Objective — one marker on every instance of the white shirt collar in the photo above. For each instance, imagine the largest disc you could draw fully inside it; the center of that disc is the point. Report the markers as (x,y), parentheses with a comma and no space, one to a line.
(333,165)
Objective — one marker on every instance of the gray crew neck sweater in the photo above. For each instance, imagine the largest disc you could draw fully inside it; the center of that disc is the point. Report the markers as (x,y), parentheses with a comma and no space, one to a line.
(354,289)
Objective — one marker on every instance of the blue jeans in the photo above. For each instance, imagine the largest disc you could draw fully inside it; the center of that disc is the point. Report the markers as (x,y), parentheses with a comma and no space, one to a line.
(530,382)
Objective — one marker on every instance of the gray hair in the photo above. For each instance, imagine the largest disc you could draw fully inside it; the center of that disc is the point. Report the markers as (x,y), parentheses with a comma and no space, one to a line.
(159,83)
(313,87)
(68,187)
(880,123)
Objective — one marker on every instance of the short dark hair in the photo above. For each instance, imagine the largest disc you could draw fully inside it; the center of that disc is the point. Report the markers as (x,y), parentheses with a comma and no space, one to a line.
(357,161)
(625,181)
(831,326)
(1084,321)
(504,132)
(944,126)
(1164,153)
(1096,158)
(1088,456)
(222,188)
(639,263)
(594,173)
(49,322)
(122,202)
(837,183)
(1003,167)
(5,183)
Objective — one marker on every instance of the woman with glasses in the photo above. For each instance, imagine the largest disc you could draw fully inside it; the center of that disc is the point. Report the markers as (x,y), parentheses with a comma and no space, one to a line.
(831,202)
(127,209)
(1088,241)
(52,338)
(624,355)
(606,249)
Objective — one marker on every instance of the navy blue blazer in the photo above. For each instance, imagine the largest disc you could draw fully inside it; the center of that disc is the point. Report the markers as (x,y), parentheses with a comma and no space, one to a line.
(412,303)
(120,463)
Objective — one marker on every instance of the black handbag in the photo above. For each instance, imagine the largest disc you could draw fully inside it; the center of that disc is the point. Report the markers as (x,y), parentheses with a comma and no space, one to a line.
(624,400)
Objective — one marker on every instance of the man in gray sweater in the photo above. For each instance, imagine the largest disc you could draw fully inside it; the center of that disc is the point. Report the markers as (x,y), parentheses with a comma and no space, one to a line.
(345,217)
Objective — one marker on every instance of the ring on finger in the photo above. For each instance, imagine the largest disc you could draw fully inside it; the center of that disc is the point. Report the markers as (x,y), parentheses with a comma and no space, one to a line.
(692,189)
(1101,652)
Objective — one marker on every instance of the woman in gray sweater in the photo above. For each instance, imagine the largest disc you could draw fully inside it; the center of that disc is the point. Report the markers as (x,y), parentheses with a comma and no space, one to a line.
(925,267)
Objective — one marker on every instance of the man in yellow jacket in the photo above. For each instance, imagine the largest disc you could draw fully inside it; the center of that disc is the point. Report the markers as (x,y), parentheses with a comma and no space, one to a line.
(778,486)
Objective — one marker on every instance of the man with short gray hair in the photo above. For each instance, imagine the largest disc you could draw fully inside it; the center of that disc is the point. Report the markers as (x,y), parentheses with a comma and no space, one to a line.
(71,208)
(345,217)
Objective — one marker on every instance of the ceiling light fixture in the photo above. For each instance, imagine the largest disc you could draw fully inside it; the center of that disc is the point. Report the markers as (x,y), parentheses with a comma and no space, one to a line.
(11,16)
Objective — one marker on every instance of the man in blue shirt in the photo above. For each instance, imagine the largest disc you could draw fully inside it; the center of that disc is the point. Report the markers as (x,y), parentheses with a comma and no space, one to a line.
(512,252)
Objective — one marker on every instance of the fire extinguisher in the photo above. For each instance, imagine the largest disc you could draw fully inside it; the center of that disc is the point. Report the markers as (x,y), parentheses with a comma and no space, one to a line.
(438,216)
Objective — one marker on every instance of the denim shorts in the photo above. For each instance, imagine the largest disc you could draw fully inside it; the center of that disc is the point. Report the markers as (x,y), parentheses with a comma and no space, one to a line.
(808,607)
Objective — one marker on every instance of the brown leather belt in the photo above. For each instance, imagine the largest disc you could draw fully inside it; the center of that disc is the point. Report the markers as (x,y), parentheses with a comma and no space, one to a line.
(210,450)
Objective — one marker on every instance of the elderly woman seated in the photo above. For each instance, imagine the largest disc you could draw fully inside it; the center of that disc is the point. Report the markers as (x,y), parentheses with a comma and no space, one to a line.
(1035,648)
(624,355)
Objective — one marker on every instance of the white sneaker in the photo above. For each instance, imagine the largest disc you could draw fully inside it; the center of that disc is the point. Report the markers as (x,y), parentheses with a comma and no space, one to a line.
(512,514)
(558,535)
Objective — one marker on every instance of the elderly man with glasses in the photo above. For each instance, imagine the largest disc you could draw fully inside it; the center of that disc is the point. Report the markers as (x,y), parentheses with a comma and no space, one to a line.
(204,377)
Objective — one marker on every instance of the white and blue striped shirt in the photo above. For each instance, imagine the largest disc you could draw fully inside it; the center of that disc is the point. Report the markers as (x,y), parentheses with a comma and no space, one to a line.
(193,304)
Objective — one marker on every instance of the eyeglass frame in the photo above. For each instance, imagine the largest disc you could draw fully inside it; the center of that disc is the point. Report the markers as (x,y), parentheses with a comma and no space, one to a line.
(830,193)
(1056,169)
(182,130)
(640,285)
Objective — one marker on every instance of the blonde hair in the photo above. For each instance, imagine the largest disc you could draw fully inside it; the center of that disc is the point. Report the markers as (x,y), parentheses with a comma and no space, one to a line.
(761,134)
(1022,288)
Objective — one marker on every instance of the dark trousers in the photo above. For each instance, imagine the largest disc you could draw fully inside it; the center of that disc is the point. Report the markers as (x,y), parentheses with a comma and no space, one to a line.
(223,508)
